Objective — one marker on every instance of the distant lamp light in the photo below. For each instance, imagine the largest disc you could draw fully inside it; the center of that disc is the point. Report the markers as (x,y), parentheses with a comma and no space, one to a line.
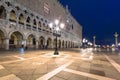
(107,46)
(67,21)
(62,25)
(57,28)
(113,45)
(56,22)
(118,44)
(88,43)
(51,25)
(13,23)
(84,40)
(99,46)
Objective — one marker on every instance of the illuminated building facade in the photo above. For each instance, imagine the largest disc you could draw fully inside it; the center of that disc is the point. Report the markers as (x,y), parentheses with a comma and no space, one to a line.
(26,22)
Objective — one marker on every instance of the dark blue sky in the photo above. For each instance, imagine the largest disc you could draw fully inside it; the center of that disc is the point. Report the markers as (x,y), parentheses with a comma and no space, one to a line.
(98,17)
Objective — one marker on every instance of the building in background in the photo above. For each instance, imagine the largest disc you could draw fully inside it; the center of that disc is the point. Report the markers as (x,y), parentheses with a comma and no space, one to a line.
(26,23)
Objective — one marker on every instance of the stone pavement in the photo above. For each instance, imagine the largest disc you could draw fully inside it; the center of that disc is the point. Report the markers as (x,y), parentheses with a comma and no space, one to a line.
(69,65)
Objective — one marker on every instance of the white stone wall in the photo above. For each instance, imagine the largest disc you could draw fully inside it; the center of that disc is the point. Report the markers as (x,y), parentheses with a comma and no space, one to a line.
(36,8)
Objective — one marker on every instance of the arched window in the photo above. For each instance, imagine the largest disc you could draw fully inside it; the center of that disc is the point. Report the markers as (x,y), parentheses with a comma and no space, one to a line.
(17,7)
(39,24)
(43,24)
(28,20)
(12,15)
(8,3)
(21,19)
(34,22)
(34,25)
(2,12)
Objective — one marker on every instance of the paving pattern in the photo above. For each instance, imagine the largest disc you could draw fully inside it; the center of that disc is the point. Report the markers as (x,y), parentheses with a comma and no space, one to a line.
(71,64)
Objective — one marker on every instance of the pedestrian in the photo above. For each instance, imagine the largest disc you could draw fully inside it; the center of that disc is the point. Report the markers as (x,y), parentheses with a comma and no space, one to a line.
(22,50)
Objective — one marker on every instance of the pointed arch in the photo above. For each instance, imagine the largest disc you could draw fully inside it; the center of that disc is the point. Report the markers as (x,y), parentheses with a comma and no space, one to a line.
(28,23)
(49,40)
(66,44)
(59,43)
(28,20)
(13,16)
(16,39)
(34,22)
(63,44)
(31,41)
(21,19)
(41,42)
(39,24)
(2,39)
(2,12)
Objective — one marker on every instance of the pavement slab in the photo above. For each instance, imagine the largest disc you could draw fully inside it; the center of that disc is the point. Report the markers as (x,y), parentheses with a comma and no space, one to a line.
(42,65)
(4,72)
(10,77)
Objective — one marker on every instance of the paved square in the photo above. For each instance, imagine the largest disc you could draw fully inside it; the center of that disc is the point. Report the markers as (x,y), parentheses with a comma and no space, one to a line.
(69,65)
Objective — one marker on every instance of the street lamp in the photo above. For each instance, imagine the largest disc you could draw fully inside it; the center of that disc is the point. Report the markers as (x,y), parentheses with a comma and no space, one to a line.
(85,41)
(56,26)
(90,44)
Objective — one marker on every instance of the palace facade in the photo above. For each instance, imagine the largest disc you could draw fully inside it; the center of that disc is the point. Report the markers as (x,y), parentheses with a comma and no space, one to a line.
(26,22)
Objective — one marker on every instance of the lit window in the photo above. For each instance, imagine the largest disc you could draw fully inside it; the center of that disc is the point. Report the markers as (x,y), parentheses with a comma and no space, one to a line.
(46,8)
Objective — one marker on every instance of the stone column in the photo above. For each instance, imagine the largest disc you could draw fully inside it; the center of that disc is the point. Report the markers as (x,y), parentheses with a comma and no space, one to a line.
(37,26)
(25,42)
(17,22)
(45,44)
(94,41)
(116,39)
(73,44)
(51,44)
(37,44)
(7,18)
(25,25)
(7,43)
(31,26)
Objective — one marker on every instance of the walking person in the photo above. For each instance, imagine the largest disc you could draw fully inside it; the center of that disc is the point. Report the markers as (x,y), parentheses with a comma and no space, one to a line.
(22,50)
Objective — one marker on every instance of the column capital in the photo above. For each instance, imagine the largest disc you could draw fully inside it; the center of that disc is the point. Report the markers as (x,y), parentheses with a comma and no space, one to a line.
(116,34)
(94,37)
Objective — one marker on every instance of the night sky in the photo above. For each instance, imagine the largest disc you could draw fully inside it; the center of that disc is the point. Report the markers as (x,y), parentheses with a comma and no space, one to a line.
(97,17)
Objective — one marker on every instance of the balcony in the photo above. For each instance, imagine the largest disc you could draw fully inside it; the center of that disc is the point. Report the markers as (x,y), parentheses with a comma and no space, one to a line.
(22,23)
(39,29)
(34,28)
(12,25)
(28,26)
(11,20)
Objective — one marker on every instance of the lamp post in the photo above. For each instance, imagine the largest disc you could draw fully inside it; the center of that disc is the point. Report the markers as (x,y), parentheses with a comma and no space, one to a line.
(116,39)
(85,43)
(56,25)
